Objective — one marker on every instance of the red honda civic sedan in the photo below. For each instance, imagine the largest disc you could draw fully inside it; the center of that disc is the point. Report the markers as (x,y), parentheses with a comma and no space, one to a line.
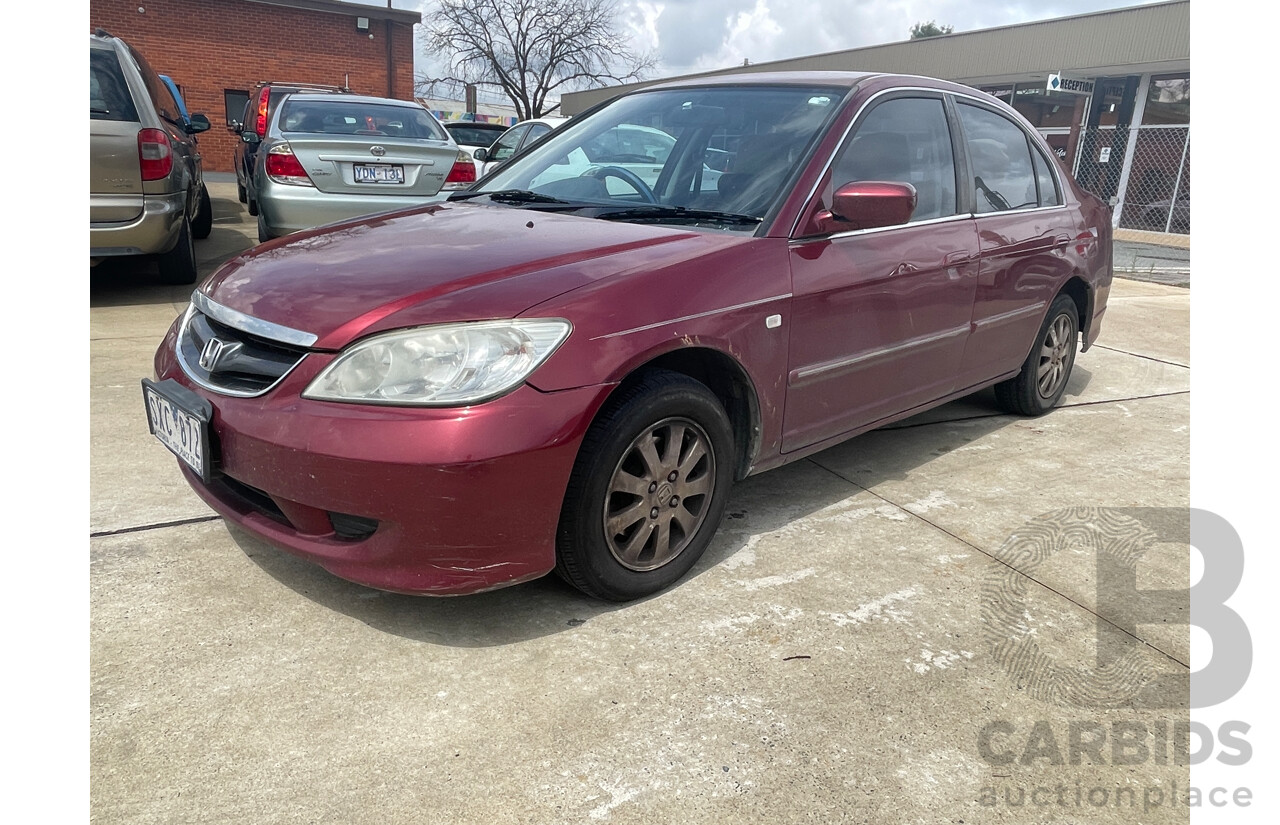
(569,365)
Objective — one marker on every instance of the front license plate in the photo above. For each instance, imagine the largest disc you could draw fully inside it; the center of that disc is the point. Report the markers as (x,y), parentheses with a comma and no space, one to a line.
(379,173)
(180,420)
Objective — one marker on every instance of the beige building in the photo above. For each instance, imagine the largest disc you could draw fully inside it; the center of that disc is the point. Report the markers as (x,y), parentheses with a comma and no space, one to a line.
(1110,91)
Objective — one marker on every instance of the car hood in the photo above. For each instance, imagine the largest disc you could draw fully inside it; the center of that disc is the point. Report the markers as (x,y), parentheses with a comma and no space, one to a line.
(435,264)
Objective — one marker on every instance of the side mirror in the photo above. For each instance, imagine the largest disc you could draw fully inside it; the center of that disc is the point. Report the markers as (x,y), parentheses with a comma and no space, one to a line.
(868,204)
(480,154)
(198,123)
(249,136)
(235,126)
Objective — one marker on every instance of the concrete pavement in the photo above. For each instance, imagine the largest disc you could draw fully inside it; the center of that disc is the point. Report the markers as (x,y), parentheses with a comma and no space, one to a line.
(863,642)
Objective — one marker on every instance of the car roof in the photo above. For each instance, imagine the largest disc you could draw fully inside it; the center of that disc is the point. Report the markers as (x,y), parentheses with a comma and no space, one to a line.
(348,98)
(475,124)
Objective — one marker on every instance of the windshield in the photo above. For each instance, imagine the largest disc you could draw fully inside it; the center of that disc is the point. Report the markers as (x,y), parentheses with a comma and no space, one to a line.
(674,153)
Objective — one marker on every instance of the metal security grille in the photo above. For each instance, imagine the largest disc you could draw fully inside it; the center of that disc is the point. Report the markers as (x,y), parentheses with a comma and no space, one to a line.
(1158,195)
(1154,192)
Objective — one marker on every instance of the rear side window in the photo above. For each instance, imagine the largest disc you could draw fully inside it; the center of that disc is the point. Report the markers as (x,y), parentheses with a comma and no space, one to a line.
(1003,176)
(903,140)
(109,97)
(354,118)
(1049,195)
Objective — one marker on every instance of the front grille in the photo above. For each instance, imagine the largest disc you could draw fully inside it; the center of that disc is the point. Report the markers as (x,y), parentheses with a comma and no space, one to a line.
(243,363)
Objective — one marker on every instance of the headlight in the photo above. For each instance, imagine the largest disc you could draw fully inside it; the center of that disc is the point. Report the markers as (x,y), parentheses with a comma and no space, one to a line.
(442,366)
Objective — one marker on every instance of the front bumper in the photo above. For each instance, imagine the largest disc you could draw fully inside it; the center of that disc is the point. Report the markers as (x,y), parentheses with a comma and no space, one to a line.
(464,499)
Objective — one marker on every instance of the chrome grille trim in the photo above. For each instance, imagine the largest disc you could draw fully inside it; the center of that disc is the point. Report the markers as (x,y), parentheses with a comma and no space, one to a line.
(251,325)
(264,365)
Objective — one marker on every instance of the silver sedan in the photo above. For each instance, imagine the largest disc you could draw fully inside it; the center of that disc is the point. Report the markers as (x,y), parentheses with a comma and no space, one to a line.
(327,158)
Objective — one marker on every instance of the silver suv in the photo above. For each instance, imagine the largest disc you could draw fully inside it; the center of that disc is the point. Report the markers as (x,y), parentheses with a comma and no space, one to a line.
(146,191)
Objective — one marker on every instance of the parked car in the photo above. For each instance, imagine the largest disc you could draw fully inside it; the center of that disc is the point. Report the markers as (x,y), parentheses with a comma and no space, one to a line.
(146,187)
(176,91)
(473,134)
(561,376)
(513,141)
(252,128)
(326,158)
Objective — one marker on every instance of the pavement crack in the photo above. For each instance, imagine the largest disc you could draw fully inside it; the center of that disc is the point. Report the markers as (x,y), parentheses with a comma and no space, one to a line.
(158,526)
(1002,562)
(1144,357)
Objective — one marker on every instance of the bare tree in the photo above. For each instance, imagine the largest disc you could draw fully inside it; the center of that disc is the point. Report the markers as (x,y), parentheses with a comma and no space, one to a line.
(532,50)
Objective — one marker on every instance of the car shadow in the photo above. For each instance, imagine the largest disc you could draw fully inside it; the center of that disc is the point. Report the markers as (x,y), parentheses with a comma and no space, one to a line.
(758,506)
(134,281)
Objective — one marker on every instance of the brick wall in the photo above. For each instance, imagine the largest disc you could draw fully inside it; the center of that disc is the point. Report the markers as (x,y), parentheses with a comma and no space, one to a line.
(208,46)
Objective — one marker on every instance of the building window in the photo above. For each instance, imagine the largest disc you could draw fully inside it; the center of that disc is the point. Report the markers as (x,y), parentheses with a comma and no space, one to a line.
(1168,100)
(235,100)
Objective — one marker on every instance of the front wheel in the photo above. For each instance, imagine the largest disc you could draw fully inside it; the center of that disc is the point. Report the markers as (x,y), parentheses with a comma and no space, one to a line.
(648,491)
(1043,379)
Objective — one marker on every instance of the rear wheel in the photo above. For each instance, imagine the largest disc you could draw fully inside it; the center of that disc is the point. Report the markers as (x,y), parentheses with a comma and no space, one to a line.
(1043,379)
(648,491)
(264,234)
(241,194)
(202,221)
(178,265)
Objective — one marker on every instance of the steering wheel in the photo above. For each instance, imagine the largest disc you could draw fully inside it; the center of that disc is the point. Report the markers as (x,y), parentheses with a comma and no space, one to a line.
(627,176)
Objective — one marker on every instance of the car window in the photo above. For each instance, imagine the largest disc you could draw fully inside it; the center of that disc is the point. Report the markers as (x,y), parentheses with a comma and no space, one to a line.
(1003,177)
(109,97)
(1049,194)
(536,131)
(903,140)
(303,114)
(474,135)
(506,145)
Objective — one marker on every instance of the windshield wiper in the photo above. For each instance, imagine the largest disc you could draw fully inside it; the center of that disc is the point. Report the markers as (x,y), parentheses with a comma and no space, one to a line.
(657,212)
(510,196)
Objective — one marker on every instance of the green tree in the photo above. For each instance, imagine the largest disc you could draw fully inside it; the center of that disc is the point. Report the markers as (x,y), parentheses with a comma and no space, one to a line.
(930,29)
(530,50)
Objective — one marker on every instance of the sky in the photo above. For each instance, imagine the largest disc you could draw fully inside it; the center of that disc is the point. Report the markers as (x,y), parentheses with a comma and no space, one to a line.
(700,35)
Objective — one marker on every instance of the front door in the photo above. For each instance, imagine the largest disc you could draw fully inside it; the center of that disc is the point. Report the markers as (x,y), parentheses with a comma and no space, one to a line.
(881,316)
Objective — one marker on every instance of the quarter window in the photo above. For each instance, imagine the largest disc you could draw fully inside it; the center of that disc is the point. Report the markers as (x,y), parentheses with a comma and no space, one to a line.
(903,140)
(1003,176)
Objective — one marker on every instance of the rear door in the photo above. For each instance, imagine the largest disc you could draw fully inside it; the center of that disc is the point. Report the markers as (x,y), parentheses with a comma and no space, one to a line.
(367,148)
(1023,229)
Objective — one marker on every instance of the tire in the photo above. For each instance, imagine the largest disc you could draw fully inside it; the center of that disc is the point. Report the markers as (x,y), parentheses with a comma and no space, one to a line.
(241,194)
(251,201)
(633,524)
(264,234)
(178,265)
(1044,376)
(202,222)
